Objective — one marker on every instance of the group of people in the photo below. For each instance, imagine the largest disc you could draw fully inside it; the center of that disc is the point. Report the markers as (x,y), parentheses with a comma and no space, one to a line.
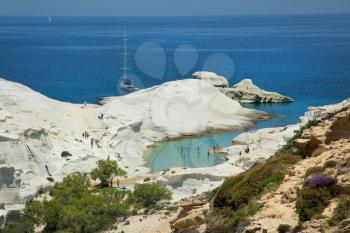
(215,150)
(92,140)
(86,135)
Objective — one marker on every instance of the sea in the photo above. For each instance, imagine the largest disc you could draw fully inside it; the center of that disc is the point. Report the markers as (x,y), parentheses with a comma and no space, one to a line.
(77,59)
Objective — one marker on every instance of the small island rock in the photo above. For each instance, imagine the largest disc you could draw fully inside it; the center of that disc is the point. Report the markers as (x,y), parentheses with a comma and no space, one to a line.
(247,92)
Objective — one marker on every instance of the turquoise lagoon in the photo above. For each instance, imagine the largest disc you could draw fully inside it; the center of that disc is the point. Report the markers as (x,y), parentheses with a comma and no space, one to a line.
(193,152)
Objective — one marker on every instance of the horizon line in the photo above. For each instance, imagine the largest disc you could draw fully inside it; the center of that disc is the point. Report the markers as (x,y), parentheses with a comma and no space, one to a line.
(185,15)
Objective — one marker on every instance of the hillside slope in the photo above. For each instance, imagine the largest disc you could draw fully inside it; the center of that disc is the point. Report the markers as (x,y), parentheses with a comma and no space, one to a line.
(304,187)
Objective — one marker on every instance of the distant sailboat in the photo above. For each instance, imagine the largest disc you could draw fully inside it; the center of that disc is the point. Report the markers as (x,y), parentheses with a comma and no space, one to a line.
(50,19)
(126,84)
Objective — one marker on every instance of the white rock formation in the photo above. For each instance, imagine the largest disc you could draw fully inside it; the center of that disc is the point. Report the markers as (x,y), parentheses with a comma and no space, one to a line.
(246,92)
(212,78)
(35,130)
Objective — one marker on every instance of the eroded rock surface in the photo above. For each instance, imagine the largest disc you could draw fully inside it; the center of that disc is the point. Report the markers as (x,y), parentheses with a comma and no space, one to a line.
(247,92)
(212,78)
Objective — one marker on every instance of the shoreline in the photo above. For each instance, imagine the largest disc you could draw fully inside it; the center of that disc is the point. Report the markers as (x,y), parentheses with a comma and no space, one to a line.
(46,127)
(148,151)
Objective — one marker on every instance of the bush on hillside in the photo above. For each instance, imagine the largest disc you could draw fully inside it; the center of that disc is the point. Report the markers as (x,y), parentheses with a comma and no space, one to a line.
(312,200)
(283,228)
(150,194)
(242,215)
(330,164)
(320,180)
(314,171)
(342,211)
(75,207)
(106,171)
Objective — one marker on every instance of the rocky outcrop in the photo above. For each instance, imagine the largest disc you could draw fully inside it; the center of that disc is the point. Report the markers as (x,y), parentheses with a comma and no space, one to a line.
(191,217)
(212,78)
(247,92)
(327,111)
(317,139)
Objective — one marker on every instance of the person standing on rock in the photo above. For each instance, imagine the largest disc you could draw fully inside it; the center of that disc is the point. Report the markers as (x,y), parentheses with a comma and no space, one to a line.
(247,149)
(92,142)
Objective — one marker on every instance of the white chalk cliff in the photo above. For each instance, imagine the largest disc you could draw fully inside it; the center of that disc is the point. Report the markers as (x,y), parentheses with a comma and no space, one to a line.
(35,130)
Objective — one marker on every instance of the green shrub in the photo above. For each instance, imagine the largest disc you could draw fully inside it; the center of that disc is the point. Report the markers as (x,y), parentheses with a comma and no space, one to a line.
(297,228)
(330,164)
(342,211)
(271,180)
(17,228)
(106,171)
(312,200)
(314,171)
(243,214)
(76,207)
(150,194)
(283,228)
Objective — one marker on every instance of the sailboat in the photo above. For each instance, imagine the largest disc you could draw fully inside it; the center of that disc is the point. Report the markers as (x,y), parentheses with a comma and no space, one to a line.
(126,84)
(50,19)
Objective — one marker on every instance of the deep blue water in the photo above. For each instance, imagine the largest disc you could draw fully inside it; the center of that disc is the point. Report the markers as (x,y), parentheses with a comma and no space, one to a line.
(78,59)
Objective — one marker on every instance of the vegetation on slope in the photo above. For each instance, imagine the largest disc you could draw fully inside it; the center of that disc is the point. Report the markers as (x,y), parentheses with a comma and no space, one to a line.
(342,211)
(75,206)
(315,195)
(235,200)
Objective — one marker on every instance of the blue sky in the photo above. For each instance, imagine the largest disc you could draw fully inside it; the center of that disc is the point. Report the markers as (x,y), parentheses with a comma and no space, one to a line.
(170,7)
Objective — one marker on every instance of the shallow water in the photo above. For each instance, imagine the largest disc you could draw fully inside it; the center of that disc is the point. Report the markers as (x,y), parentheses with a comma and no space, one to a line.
(193,152)
(190,152)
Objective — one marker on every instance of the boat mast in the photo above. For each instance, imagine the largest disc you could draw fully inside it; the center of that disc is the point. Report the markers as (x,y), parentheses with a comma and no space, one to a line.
(125,68)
